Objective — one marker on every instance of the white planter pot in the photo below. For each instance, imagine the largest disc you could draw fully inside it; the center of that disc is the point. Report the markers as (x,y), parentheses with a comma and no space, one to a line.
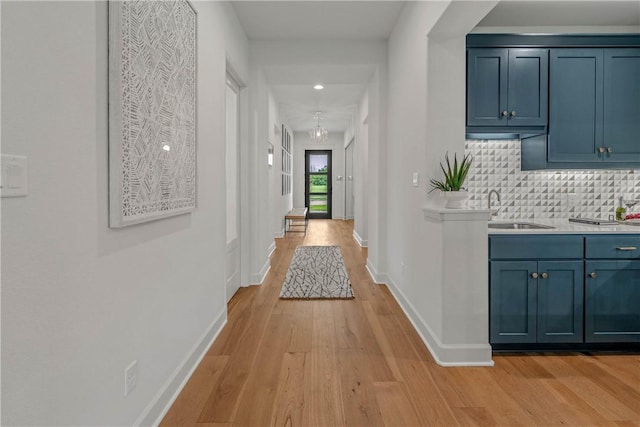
(456,199)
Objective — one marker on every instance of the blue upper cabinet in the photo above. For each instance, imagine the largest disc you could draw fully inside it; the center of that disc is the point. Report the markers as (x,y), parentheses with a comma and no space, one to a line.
(528,87)
(507,87)
(622,105)
(487,87)
(575,105)
(594,107)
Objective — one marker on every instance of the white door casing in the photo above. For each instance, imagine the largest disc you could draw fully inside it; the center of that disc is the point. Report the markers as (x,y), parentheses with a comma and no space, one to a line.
(232,258)
(348,180)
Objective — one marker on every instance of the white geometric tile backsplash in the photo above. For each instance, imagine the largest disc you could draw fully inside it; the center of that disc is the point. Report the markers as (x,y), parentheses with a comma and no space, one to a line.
(543,194)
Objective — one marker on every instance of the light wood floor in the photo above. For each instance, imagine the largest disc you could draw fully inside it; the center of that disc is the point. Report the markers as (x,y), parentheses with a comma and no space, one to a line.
(360,363)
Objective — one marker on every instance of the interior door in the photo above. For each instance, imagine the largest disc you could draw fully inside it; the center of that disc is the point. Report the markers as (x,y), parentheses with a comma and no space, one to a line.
(317,180)
(232,259)
(348,194)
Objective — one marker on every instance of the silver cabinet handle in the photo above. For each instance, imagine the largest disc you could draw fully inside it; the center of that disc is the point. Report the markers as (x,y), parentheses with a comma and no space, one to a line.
(505,113)
(593,275)
(513,113)
(626,248)
(534,275)
(609,150)
(544,275)
(601,150)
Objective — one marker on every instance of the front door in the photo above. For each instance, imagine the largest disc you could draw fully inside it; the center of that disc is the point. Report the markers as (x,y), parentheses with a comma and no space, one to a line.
(318,183)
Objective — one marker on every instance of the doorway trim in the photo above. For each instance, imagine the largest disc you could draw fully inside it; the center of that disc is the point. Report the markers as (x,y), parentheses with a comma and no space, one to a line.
(233,245)
(348,180)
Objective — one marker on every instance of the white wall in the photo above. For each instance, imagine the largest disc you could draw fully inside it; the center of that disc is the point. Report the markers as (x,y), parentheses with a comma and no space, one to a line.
(426,110)
(375,173)
(280,204)
(335,144)
(261,189)
(81,301)
(267,205)
(412,253)
(360,171)
(322,53)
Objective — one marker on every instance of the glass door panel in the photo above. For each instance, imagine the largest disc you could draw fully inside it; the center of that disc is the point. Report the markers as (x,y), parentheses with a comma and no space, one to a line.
(318,183)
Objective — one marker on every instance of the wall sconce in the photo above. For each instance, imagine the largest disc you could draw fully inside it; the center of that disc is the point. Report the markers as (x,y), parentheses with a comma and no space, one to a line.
(270,154)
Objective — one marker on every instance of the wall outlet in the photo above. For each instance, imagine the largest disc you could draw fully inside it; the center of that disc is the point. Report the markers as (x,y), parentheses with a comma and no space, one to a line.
(130,377)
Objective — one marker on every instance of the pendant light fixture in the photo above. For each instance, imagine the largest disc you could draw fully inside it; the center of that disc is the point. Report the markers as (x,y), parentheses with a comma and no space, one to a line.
(318,134)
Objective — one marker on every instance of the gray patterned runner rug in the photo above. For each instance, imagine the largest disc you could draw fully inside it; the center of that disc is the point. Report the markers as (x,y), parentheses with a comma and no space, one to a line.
(317,272)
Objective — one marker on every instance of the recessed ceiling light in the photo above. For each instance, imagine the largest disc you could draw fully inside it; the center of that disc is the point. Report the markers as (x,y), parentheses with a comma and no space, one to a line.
(318,87)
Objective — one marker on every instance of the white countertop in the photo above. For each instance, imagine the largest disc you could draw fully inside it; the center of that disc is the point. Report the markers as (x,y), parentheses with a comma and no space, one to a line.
(563,226)
(444,214)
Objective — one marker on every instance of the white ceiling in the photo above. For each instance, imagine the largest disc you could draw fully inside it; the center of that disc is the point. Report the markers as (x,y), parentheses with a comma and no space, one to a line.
(374,21)
(298,100)
(318,20)
(562,13)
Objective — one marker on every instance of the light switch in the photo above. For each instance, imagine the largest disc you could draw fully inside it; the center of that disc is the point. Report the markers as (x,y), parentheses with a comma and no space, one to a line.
(13,182)
(416,178)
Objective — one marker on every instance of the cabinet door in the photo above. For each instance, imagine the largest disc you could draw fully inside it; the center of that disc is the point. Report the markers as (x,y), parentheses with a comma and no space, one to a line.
(575,105)
(622,105)
(486,87)
(528,87)
(512,302)
(560,301)
(612,301)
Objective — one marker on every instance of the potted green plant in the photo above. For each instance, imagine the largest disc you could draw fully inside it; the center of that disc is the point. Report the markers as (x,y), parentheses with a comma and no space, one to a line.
(454,177)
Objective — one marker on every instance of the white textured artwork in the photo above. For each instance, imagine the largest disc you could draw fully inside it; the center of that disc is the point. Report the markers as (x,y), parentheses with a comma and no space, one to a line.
(152,110)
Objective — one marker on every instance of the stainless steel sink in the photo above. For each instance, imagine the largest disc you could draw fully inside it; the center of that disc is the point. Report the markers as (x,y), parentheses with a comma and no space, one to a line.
(517,226)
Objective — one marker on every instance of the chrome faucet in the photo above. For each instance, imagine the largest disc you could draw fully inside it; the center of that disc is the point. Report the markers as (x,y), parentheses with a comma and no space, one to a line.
(492,192)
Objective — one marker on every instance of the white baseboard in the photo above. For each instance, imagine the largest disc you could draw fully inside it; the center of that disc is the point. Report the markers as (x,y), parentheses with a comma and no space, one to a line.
(443,354)
(375,275)
(363,243)
(279,234)
(161,403)
(258,277)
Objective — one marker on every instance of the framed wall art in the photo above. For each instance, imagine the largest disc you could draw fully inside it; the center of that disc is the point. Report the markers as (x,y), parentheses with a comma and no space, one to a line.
(152,110)
(286,161)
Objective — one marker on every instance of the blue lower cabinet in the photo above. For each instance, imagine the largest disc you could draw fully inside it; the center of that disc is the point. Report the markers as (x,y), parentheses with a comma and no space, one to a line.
(560,302)
(536,302)
(612,301)
(513,302)
(552,291)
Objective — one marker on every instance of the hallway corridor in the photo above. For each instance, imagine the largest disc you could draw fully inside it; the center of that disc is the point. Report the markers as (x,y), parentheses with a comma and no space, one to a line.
(360,363)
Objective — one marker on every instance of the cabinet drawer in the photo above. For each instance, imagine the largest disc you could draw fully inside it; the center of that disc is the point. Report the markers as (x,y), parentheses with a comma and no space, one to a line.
(536,247)
(613,247)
